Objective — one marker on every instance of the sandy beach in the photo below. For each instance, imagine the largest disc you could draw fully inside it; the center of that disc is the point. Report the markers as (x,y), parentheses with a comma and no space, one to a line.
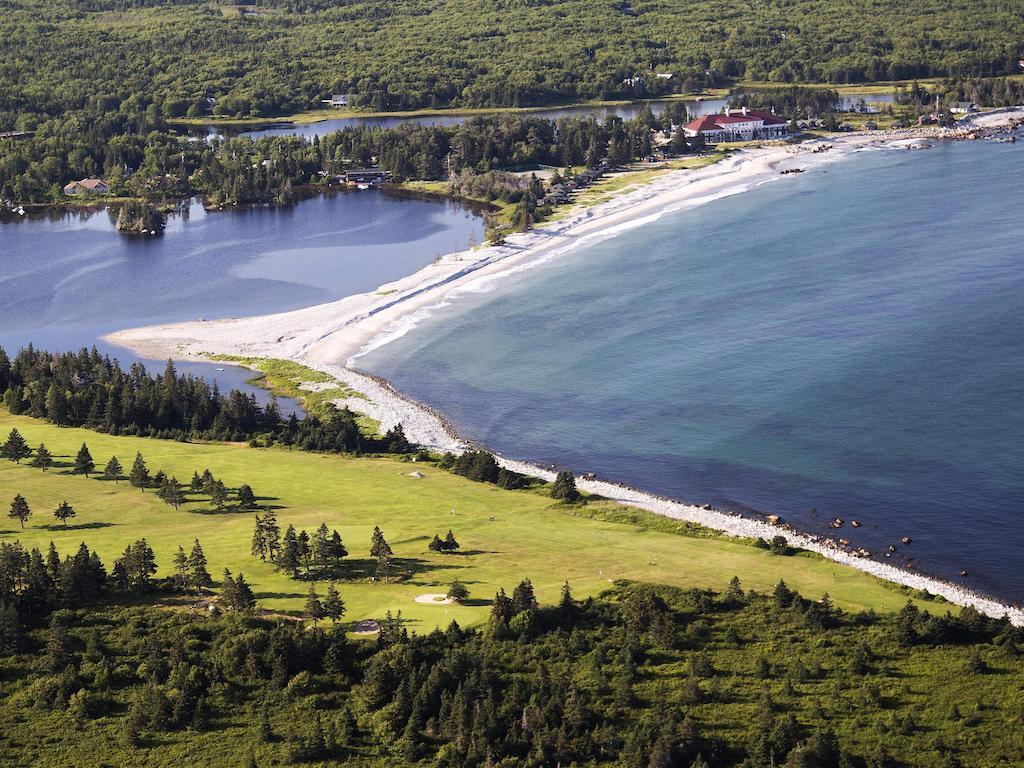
(330,337)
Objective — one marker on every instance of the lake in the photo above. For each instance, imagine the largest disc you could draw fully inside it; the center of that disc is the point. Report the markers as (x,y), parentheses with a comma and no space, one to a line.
(843,343)
(67,277)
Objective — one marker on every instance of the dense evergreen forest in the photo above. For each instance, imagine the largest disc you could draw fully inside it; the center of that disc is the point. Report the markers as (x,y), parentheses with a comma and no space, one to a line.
(642,677)
(86,389)
(159,165)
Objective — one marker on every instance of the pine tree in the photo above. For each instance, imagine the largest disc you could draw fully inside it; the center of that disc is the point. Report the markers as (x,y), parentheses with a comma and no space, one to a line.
(457,591)
(450,544)
(245,600)
(258,547)
(564,487)
(19,510)
(83,461)
(218,494)
(137,566)
(436,545)
(207,481)
(172,493)
(113,470)
(181,569)
(523,598)
(63,512)
(333,605)
(322,546)
(43,459)
(139,476)
(196,484)
(15,449)
(305,550)
(337,547)
(290,558)
(246,498)
(272,533)
(314,609)
(198,574)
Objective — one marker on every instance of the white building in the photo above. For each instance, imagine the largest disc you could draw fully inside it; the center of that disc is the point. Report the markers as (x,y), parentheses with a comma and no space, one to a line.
(737,125)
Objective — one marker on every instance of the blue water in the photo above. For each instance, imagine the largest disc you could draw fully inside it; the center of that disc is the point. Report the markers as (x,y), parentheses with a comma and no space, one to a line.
(848,341)
(67,278)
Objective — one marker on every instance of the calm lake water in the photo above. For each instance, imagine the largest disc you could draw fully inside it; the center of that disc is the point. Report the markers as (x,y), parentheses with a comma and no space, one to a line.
(625,111)
(70,277)
(848,341)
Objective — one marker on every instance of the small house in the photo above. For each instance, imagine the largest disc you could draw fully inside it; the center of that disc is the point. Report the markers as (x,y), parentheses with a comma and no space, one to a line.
(963,107)
(87,187)
(339,100)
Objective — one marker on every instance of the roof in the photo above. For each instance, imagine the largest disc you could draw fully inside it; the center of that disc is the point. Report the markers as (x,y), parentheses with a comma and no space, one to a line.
(87,183)
(718,122)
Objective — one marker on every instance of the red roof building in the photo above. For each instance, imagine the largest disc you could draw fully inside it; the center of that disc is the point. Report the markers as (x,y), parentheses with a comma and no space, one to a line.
(737,125)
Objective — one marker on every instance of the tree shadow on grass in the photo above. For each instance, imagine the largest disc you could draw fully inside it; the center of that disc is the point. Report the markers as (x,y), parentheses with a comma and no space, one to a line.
(77,527)
(278,595)
(365,569)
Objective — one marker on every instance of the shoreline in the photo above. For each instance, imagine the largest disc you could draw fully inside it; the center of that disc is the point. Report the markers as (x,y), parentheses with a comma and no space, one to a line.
(331,337)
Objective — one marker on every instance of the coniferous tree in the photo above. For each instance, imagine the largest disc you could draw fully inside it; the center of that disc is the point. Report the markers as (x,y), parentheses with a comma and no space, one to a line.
(172,493)
(337,547)
(457,591)
(139,475)
(113,470)
(15,448)
(523,598)
(199,575)
(218,494)
(305,550)
(333,605)
(314,609)
(244,599)
(181,576)
(321,543)
(290,558)
(196,484)
(246,498)
(380,549)
(258,547)
(83,461)
(43,459)
(138,565)
(19,510)
(564,487)
(272,533)
(450,544)
(63,512)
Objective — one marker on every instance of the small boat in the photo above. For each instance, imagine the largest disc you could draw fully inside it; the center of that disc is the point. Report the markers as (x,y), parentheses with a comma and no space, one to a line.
(220,369)
(855,523)
(362,186)
(905,540)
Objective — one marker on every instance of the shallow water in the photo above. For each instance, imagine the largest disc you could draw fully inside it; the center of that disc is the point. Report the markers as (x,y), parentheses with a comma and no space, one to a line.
(846,342)
(67,278)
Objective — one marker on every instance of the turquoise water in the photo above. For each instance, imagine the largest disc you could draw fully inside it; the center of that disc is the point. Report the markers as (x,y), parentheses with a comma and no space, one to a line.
(847,342)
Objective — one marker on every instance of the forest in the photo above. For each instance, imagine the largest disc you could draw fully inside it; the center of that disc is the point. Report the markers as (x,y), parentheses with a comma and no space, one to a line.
(643,676)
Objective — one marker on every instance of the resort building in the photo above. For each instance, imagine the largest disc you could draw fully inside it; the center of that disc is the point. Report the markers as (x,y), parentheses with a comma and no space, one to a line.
(737,125)
(86,187)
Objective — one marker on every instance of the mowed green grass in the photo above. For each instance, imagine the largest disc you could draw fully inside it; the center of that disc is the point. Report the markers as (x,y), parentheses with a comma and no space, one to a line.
(505,535)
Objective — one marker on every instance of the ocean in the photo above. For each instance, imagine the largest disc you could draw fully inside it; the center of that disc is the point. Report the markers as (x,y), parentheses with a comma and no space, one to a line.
(842,343)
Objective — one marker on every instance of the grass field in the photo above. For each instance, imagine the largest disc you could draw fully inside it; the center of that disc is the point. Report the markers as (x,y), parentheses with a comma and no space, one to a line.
(505,535)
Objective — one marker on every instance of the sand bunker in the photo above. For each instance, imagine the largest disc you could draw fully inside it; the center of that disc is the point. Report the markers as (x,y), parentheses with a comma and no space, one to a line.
(434,598)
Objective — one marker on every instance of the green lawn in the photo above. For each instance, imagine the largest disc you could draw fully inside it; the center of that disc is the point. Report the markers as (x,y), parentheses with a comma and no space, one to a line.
(505,535)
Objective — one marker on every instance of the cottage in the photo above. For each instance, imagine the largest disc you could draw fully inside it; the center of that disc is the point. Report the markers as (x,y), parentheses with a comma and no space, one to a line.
(963,107)
(339,100)
(87,187)
(737,125)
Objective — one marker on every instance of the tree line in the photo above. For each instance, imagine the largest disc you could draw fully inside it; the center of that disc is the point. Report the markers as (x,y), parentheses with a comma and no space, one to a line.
(86,389)
(642,677)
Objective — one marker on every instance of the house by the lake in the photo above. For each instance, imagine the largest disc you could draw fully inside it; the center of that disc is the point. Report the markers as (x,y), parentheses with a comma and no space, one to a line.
(87,187)
(737,125)
(339,100)
(963,107)
(368,176)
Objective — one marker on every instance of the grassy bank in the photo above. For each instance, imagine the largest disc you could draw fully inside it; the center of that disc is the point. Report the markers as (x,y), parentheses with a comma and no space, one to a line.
(505,535)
